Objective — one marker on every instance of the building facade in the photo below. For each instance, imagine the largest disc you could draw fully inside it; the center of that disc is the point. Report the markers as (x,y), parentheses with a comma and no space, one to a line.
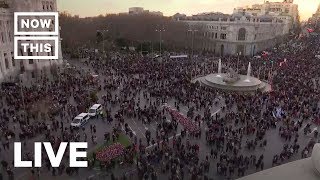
(237,34)
(286,11)
(315,19)
(136,10)
(140,10)
(9,67)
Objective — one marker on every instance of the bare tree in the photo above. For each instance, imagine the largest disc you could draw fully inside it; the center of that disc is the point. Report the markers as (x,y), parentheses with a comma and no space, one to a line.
(77,32)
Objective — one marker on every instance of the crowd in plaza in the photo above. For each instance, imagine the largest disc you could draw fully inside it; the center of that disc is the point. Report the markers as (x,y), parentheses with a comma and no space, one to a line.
(195,145)
(234,138)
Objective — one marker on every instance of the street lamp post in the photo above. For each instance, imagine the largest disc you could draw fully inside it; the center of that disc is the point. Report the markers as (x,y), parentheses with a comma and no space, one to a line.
(192,40)
(160,35)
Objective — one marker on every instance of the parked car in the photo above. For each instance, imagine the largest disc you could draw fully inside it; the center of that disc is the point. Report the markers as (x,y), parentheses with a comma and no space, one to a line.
(95,110)
(80,120)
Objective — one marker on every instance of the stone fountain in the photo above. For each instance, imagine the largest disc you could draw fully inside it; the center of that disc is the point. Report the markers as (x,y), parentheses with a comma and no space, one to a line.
(232,81)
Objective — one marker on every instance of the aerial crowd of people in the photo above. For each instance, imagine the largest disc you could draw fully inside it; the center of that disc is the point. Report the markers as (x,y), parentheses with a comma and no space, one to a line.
(195,144)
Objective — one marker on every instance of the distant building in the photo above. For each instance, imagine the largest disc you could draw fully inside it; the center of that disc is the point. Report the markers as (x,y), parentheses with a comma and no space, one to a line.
(156,13)
(140,10)
(239,33)
(177,16)
(315,19)
(136,10)
(286,11)
(9,67)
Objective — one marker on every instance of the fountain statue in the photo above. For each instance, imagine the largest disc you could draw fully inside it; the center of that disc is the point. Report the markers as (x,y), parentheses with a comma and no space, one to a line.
(219,69)
(232,77)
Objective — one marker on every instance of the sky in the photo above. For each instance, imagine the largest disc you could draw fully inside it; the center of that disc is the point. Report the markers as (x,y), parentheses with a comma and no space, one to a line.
(86,8)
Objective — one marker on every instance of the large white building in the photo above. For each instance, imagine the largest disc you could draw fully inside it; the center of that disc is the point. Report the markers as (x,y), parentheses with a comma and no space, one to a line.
(9,67)
(240,33)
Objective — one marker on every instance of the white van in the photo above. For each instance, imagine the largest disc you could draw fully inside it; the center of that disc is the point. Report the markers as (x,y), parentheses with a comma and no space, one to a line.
(80,120)
(96,109)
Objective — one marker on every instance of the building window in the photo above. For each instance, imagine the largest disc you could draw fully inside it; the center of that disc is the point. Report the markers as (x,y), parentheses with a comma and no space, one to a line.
(10,37)
(216,35)
(13,61)
(30,61)
(6,62)
(52,51)
(242,34)
(2,37)
(49,54)
(21,67)
(222,50)
(21,52)
(29,52)
(223,36)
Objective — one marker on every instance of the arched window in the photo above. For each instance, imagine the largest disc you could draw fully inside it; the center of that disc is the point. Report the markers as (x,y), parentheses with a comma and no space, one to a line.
(254,50)
(6,62)
(29,52)
(51,6)
(242,34)
(21,67)
(222,50)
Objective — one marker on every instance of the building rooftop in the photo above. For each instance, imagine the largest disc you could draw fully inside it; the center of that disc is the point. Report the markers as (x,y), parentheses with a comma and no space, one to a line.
(297,170)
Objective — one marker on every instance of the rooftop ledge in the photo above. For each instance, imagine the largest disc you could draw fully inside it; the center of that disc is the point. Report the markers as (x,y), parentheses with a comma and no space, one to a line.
(305,169)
